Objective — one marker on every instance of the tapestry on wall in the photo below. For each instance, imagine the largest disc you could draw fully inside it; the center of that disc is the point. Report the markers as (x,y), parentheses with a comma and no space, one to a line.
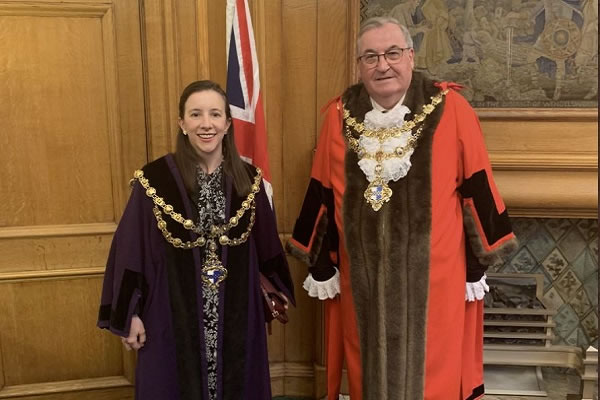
(507,53)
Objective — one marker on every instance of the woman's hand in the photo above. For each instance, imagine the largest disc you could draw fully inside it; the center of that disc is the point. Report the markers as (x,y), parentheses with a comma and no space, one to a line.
(137,335)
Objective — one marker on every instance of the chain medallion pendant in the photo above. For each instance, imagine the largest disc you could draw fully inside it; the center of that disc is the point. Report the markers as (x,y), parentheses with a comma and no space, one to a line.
(213,271)
(377,193)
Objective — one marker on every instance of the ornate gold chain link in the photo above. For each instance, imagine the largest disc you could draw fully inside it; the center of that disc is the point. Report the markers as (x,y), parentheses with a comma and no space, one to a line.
(216,231)
(378,192)
(385,133)
(213,271)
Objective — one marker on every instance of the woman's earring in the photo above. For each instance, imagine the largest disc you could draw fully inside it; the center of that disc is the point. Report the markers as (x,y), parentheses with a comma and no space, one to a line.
(184,133)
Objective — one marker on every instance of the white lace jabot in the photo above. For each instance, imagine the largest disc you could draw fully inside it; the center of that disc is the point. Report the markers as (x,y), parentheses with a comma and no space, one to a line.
(393,168)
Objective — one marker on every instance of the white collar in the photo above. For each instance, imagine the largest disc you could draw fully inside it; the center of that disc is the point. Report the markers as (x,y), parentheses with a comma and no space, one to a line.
(379,108)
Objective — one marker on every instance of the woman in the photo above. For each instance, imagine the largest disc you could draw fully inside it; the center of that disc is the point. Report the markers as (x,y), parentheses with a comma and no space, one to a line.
(182,279)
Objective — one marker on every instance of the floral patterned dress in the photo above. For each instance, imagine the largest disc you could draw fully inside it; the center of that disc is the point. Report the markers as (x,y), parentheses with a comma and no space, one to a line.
(210,204)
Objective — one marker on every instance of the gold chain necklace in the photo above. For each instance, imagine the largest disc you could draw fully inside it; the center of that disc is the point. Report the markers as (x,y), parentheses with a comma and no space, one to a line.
(378,192)
(213,271)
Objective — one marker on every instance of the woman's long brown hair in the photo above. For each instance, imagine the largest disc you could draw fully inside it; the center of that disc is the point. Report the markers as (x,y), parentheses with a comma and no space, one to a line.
(186,157)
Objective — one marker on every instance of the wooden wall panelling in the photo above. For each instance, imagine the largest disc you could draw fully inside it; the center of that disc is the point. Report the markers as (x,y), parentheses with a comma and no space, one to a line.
(2,381)
(332,51)
(299,18)
(68,305)
(129,109)
(68,391)
(177,38)
(72,123)
(112,108)
(300,22)
(49,340)
(299,337)
(52,252)
(38,127)
(161,75)
(299,90)
(217,57)
(353,25)
(191,41)
(299,379)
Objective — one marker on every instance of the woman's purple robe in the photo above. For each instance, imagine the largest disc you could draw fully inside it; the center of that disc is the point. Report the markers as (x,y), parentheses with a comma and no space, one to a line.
(146,275)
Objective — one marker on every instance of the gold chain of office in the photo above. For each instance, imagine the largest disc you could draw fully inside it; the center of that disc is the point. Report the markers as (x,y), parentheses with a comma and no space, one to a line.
(378,192)
(216,231)
(385,133)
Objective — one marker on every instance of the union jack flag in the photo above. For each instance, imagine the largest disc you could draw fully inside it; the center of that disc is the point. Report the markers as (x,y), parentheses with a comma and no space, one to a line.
(243,90)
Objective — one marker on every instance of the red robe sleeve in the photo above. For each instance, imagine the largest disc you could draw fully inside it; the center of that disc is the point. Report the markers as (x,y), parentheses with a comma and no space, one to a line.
(487,224)
(315,238)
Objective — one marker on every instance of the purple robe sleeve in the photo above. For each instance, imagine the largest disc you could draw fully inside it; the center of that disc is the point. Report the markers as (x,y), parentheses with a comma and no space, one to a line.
(124,279)
(271,257)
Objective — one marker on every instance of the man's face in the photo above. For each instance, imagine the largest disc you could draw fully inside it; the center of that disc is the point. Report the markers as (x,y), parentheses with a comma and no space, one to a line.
(386,83)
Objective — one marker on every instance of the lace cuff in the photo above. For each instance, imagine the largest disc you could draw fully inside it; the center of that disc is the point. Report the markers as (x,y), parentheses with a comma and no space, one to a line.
(323,290)
(476,290)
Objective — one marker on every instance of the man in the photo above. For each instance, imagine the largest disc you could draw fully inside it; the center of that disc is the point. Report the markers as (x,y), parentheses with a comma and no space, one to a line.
(401,201)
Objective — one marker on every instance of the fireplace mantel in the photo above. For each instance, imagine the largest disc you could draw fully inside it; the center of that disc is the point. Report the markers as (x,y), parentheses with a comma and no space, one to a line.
(545,161)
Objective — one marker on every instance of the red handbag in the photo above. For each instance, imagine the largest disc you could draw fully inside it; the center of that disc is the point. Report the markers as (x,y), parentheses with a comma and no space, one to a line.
(274,301)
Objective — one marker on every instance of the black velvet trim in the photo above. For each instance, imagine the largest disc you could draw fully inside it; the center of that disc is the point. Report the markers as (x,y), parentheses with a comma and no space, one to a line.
(130,282)
(277,265)
(475,269)
(104,312)
(323,270)
(477,392)
(495,225)
(183,291)
(271,266)
(309,213)
(235,323)
(316,195)
(184,318)
(322,274)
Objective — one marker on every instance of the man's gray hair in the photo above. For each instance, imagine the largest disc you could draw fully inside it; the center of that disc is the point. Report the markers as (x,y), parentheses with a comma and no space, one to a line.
(377,22)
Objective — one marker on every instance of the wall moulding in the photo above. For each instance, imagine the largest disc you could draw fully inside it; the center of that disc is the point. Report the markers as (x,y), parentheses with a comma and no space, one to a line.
(75,273)
(545,165)
(549,194)
(79,385)
(539,114)
(516,161)
(51,9)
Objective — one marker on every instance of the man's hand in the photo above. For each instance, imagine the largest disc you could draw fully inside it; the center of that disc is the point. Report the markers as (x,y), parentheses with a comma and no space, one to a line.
(137,335)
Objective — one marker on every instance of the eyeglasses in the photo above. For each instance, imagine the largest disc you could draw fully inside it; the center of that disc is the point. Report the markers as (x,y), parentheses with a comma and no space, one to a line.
(391,56)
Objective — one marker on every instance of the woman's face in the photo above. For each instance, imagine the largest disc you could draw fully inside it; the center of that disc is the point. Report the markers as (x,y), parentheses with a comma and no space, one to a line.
(206,123)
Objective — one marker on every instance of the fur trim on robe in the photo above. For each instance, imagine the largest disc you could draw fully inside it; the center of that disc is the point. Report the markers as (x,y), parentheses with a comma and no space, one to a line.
(389,254)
